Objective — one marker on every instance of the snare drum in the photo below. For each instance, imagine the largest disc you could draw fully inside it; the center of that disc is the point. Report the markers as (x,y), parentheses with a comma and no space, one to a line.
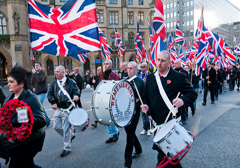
(114,103)
(173,138)
(78,117)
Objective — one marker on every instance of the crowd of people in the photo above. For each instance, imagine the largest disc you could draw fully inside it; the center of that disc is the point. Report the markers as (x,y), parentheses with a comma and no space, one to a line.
(65,91)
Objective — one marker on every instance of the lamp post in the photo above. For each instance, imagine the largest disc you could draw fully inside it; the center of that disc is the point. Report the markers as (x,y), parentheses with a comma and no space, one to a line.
(1,69)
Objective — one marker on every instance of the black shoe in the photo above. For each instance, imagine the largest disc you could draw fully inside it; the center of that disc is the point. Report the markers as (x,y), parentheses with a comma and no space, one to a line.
(36,166)
(200,92)
(204,103)
(64,153)
(72,138)
(193,112)
(109,140)
(94,124)
(135,155)
(216,98)
(212,102)
(115,137)
(182,122)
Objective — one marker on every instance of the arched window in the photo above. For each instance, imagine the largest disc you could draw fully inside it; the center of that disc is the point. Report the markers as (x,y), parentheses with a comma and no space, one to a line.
(115,62)
(132,58)
(87,66)
(50,68)
(69,64)
(3,26)
(131,38)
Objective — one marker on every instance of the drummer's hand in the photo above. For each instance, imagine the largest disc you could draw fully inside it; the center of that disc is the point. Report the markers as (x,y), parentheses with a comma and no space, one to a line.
(54,106)
(177,102)
(144,108)
(93,81)
(150,118)
(76,98)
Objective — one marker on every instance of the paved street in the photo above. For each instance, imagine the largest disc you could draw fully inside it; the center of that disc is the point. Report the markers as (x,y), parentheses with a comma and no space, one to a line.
(216,128)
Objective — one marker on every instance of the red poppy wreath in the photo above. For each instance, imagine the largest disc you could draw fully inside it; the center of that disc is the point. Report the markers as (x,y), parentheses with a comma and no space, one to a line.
(7,129)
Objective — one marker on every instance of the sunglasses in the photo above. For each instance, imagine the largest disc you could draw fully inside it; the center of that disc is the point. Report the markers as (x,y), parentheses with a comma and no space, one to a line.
(142,66)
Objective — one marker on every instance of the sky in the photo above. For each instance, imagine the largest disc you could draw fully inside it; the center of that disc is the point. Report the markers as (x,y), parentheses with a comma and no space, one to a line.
(236,3)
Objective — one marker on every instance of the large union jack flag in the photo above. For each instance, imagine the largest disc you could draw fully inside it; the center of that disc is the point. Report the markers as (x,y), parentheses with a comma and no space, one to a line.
(106,48)
(119,45)
(66,31)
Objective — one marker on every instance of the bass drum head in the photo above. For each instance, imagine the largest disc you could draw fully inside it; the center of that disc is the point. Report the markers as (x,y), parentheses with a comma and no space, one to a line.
(78,116)
(122,104)
(164,130)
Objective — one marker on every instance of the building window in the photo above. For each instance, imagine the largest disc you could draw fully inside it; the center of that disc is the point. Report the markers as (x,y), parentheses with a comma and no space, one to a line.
(171,5)
(191,22)
(113,39)
(175,4)
(113,18)
(171,14)
(187,13)
(130,18)
(130,2)
(112,1)
(167,6)
(100,16)
(183,5)
(3,27)
(187,23)
(47,0)
(140,2)
(164,6)
(191,3)
(167,24)
(60,1)
(175,14)
(115,62)
(131,38)
(178,4)
(171,24)
(187,3)
(191,13)
(167,15)
(183,14)
(141,18)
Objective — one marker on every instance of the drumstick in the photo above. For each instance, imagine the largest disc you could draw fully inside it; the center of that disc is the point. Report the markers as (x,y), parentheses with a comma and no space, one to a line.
(150,125)
(88,87)
(138,93)
(171,109)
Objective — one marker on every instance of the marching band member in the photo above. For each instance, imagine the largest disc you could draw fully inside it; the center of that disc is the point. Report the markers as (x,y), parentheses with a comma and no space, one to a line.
(217,83)
(209,75)
(21,153)
(132,139)
(172,83)
(108,74)
(59,99)
(125,71)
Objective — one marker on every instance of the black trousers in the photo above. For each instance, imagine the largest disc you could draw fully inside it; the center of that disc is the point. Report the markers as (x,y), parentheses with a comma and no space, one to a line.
(79,103)
(22,161)
(132,140)
(211,89)
(231,83)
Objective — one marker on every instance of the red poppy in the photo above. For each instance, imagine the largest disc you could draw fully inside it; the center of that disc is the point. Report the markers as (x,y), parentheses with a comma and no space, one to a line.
(64,88)
(2,130)
(9,137)
(168,82)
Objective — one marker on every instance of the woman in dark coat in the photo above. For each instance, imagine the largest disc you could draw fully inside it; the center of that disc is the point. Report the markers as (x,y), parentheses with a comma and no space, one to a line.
(21,153)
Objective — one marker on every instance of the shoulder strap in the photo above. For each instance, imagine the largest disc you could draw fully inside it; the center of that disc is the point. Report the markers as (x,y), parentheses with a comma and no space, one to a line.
(163,94)
(65,93)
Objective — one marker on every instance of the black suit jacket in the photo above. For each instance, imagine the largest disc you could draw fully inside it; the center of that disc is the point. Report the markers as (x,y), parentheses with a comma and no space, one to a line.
(79,80)
(177,83)
(212,77)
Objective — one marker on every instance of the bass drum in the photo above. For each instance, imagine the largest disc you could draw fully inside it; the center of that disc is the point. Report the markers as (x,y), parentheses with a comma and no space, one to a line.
(114,103)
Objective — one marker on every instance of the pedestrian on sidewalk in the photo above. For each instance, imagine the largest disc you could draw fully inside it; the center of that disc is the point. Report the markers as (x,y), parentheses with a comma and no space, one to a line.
(40,85)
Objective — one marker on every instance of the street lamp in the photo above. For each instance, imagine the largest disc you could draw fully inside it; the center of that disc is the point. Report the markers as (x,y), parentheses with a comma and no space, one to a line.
(1,69)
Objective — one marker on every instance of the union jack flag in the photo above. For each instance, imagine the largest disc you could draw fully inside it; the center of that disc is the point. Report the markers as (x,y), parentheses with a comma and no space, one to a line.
(31,55)
(139,45)
(182,58)
(178,36)
(81,57)
(159,45)
(106,49)
(158,20)
(66,31)
(150,37)
(119,45)
(172,49)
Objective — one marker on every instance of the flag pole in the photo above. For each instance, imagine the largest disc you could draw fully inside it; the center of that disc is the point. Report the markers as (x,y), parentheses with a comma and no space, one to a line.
(100,56)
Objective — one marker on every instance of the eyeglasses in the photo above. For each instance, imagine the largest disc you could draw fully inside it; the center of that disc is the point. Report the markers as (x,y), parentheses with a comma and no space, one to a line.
(142,66)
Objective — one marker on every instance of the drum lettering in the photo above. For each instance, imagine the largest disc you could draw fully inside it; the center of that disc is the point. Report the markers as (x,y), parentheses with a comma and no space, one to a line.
(113,98)
(117,89)
(112,103)
(120,85)
(126,85)
(114,93)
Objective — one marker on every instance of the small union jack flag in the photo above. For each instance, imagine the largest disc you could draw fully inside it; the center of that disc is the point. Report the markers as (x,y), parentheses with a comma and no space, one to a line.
(66,31)
(106,49)
(81,57)
(119,45)
(179,37)
(139,45)
(158,20)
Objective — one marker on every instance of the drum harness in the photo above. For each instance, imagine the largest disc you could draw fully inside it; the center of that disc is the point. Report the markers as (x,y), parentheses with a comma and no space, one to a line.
(66,94)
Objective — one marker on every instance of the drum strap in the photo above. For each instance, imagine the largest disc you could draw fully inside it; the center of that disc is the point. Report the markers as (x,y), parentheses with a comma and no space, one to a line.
(164,95)
(65,93)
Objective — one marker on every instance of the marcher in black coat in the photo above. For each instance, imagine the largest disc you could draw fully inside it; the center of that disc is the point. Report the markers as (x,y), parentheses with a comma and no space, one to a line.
(222,75)
(79,80)
(238,74)
(232,72)
(2,97)
(132,140)
(173,82)
(217,83)
(209,75)
(23,152)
